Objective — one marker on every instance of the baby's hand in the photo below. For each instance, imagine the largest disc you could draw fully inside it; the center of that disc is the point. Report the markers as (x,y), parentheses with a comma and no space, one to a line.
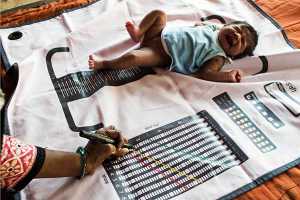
(93,64)
(235,76)
(199,23)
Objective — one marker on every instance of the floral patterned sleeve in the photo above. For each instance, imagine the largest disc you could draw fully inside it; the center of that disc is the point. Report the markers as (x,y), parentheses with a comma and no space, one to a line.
(20,163)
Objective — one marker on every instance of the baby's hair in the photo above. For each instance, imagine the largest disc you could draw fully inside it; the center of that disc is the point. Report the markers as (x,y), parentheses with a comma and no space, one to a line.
(254,37)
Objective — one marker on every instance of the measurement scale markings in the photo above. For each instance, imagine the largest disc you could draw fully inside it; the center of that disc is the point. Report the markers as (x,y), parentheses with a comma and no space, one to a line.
(167,166)
(176,141)
(158,170)
(177,134)
(61,89)
(206,140)
(203,164)
(203,142)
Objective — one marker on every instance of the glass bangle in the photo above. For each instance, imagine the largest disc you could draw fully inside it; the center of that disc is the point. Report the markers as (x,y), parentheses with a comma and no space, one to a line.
(82,152)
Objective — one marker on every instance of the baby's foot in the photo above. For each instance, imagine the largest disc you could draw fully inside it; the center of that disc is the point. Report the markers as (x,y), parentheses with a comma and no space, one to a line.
(93,64)
(133,31)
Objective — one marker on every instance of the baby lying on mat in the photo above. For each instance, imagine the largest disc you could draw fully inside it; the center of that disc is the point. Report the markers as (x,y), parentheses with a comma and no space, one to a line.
(200,50)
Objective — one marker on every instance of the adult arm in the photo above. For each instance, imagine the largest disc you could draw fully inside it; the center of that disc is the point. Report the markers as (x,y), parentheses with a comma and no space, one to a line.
(67,164)
(20,162)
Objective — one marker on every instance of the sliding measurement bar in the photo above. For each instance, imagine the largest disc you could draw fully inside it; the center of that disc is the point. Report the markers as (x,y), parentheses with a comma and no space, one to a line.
(240,118)
(264,110)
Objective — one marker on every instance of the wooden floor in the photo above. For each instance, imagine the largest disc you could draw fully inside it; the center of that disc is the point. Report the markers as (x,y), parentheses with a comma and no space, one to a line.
(31,14)
(283,187)
(11,5)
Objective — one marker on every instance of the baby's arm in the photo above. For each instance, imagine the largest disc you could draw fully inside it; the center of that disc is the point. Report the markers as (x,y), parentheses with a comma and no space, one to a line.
(211,71)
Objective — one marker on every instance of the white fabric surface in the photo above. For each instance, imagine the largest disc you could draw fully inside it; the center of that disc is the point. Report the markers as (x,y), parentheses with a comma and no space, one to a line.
(35,114)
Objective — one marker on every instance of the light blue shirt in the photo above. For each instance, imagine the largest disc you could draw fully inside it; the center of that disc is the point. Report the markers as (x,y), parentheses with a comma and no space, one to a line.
(191,46)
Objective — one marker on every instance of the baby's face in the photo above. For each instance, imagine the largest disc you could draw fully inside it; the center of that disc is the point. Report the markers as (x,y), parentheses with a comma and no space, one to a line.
(234,39)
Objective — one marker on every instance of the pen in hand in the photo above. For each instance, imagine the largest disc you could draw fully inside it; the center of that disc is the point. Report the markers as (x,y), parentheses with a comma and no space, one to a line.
(92,135)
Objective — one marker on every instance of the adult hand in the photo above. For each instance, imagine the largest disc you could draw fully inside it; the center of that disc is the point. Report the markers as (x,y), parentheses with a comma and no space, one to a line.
(98,152)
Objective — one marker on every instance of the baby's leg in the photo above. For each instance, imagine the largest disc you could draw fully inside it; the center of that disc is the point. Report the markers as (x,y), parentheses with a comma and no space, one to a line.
(150,27)
(143,57)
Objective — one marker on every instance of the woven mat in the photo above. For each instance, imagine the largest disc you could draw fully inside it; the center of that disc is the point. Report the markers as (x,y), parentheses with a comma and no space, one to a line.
(14,5)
